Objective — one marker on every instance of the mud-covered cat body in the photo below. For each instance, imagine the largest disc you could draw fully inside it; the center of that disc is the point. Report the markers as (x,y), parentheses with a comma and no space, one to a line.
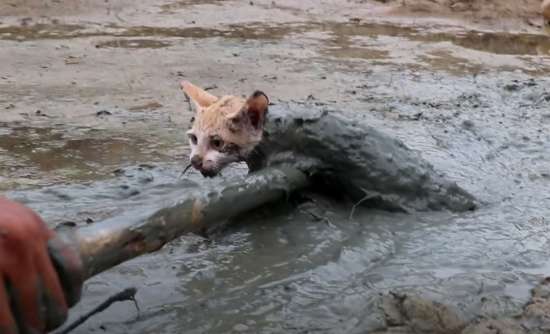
(226,129)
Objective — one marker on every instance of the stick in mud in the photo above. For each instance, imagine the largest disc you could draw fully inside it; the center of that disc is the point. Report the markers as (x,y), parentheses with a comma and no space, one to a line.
(124,295)
(108,243)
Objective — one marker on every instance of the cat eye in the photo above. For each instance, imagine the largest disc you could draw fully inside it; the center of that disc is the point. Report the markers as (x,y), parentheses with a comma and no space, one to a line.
(231,148)
(193,138)
(216,143)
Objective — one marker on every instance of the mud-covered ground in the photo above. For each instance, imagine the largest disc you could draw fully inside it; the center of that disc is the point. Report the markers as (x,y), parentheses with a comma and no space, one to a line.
(92,124)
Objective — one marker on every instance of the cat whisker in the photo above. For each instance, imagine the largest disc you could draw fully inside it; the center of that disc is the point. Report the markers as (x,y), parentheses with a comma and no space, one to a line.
(185,170)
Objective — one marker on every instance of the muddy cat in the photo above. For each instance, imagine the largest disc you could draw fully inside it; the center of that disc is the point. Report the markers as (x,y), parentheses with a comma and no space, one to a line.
(226,129)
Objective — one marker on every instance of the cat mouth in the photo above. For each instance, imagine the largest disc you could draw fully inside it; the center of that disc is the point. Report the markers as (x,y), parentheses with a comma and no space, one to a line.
(208,172)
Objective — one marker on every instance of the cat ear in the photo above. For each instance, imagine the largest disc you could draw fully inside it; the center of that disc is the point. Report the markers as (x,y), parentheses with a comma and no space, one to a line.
(256,109)
(200,97)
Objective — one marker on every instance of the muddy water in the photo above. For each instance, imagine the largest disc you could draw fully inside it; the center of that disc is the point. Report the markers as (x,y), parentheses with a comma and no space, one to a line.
(494,42)
(475,104)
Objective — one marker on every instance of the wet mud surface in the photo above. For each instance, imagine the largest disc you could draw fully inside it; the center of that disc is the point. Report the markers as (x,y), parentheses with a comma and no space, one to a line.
(92,124)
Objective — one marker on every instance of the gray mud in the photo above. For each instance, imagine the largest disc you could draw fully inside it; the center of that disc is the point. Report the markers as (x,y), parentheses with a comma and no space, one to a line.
(92,125)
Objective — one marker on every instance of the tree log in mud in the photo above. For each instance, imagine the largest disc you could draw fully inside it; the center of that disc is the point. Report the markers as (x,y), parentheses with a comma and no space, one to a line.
(301,147)
(106,244)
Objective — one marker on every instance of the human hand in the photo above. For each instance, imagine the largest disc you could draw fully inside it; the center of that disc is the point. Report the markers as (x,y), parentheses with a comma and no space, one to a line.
(32,299)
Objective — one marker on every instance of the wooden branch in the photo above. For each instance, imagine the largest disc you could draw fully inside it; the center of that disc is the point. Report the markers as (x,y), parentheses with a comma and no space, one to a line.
(124,295)
(108,243)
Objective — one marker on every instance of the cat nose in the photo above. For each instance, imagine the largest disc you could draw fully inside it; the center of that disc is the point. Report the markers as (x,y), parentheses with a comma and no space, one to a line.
(196,161)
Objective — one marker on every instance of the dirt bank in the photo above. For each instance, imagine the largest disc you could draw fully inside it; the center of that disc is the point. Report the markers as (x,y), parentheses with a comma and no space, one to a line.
(411,314)
(505,14)
(473,9)
(495,14)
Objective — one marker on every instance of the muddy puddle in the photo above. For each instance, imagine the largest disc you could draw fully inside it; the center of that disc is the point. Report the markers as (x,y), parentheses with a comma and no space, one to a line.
(35,156)
(474,104)
(492,42)
(307,265)
(133,44)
